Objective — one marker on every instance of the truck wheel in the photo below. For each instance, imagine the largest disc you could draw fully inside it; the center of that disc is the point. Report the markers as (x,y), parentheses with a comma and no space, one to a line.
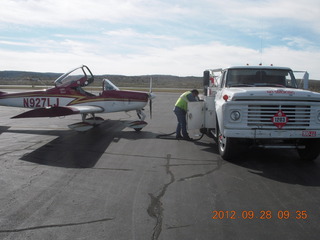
(227,146)
(312,150)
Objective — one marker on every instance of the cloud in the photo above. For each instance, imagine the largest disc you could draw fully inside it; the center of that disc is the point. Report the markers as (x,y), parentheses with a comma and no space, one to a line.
(296,59)
(229,12)
(53,13)
(188,60)
(249,13)
(298,42)
(15,43)
(134,37)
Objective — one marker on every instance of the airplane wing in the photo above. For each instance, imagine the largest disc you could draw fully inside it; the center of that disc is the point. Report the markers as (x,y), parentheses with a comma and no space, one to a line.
(59,111)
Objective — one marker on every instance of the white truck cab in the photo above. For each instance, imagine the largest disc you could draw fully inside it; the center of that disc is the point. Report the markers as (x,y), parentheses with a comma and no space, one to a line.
(257,106)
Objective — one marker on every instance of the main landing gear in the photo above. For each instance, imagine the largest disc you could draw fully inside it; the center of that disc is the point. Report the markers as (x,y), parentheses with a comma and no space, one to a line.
(87,123)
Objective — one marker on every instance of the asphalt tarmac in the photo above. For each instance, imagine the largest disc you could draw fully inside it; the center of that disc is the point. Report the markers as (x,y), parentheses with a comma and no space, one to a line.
(114,183)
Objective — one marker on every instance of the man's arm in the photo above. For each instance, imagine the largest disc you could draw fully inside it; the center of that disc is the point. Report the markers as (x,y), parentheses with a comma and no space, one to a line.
(192,98)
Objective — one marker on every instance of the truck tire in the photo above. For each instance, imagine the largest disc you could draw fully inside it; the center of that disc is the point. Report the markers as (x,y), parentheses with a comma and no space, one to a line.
(227,146)
(206,80)
(312,150)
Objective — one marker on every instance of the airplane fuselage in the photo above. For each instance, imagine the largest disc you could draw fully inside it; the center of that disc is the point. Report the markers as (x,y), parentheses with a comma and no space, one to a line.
(109,101)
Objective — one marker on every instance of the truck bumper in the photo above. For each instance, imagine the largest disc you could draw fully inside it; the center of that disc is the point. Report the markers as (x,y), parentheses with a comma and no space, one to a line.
(274,134)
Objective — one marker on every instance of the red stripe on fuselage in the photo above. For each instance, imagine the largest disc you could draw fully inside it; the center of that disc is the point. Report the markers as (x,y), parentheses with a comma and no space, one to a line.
(126,95)
(80,98)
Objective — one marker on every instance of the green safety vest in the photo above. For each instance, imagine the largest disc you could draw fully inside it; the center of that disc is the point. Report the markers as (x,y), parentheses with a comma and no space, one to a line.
(182,101)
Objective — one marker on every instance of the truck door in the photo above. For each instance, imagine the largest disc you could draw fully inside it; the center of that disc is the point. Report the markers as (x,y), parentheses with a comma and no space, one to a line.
(195,115)
(210,112)
(201,114)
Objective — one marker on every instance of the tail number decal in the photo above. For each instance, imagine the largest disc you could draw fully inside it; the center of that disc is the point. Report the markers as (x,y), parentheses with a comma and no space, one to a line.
(40,102)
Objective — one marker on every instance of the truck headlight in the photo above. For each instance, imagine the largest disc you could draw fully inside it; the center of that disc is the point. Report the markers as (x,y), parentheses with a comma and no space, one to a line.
(235,115)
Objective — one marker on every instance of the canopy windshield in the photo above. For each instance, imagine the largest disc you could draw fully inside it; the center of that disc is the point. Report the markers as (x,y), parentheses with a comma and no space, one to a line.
(80,76)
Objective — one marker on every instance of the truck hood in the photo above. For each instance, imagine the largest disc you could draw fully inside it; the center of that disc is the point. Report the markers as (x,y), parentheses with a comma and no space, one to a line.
(268,93)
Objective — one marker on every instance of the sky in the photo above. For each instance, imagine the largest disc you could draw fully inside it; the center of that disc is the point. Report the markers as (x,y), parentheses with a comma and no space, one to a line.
(174,37)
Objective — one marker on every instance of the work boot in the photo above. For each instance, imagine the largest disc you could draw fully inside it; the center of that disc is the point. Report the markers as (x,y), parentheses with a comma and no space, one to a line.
(188,138)
(179,137)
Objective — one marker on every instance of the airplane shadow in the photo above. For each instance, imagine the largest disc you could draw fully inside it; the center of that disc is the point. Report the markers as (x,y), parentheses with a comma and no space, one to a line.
(78,149)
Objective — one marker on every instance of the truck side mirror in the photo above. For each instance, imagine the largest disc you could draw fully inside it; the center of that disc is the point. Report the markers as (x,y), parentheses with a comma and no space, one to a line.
(206,82)
(306,80)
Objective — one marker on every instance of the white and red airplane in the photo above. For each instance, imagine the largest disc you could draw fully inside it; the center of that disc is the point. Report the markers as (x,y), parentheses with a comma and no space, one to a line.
(68,97)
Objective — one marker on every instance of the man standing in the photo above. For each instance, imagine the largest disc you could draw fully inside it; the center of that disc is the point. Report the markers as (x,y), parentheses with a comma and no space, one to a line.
(180,110)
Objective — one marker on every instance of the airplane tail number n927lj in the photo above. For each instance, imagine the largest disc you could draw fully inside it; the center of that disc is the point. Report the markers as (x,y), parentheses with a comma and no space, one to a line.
(68,97)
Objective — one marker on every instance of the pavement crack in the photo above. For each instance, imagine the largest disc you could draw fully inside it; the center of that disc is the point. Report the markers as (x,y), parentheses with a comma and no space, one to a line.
(189,164)
(54,226)
(219,164)
(112,169)
(155,209)
(183,226)
(153,157)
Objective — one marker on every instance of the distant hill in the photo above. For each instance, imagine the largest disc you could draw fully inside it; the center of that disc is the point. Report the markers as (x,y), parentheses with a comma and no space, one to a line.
(22,75)
(158,81)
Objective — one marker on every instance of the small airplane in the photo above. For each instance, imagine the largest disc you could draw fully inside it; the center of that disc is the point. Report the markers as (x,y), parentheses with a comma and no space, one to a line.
(68,97)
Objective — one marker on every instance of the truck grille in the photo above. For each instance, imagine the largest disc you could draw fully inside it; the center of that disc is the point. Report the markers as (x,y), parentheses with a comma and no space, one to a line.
(261,116)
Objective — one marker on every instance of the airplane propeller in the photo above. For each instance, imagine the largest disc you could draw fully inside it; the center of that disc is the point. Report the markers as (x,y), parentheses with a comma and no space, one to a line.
(150,107)
(151,96)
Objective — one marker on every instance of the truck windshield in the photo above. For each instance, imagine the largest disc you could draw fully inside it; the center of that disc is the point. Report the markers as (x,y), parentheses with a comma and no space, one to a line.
(260,77)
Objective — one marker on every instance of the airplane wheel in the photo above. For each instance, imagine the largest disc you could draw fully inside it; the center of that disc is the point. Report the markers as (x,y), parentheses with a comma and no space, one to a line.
(137,129)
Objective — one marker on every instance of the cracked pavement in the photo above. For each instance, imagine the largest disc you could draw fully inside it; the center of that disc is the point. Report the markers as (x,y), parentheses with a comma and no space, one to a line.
(114,183)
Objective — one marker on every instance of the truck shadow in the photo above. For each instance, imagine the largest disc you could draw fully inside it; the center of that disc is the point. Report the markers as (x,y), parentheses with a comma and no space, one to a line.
(280,165)
(208,146)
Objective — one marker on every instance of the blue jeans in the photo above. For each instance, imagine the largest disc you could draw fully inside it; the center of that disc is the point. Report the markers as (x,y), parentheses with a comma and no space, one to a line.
(182,122)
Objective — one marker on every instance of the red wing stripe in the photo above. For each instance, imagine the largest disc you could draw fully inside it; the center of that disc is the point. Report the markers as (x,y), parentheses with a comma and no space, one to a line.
(48,112)
(59,111)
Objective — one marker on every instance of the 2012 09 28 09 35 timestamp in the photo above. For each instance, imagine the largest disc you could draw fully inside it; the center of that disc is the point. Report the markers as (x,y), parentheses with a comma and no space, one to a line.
(262,214)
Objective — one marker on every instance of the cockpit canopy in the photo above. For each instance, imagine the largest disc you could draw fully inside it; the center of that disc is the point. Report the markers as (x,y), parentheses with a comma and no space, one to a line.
(80,76)
(108,85)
